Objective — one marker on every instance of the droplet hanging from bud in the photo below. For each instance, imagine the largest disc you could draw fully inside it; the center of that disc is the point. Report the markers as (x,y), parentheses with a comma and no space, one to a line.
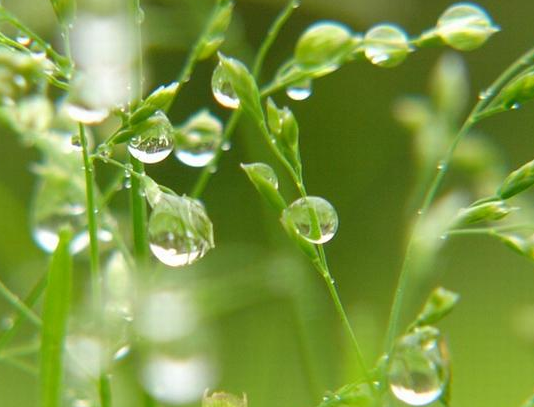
(313,218)
(386,45)
(179,230)
(417,370)
(198,139)
(222,88)
(301,90)
(153,141)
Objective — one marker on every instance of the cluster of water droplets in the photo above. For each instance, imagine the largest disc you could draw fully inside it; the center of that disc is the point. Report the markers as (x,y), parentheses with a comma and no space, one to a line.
(222,88)
(418,369)
(313,218)
(154,140)
(198,140)
(179,230)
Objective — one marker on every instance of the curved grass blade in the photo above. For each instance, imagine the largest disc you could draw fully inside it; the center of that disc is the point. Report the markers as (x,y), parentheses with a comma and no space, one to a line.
(55,313)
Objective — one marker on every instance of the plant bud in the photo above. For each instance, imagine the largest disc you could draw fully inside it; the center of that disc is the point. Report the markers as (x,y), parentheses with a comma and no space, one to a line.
(465,26)
(386,45)
(488,211)
(439,304)
(323,44)
(519,91)
(224,400)
(517,181)
(266,182)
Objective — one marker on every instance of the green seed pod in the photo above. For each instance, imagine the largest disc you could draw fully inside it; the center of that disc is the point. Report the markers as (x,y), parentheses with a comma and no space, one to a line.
(465,26)
(265,181)
(323,44)
(438,305)
(519,91)
(386,45)
(517,181)
(224,400)
(487,211)
(160,99)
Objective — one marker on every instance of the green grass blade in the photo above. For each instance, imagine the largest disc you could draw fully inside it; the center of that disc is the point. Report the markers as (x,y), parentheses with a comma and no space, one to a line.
(55,313)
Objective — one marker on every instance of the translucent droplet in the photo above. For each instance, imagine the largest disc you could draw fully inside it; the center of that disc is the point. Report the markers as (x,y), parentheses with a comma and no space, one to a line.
(85,115)
(104,150)
(58,203)
(86,355)
(140,16)
(20,81)
(127,184)
(198,140)
(418,368)
(23,39)
(485,94)
(226,146)
(122,352)
(154,142)
(176,381)
(386,45)
(76,142)
(179,230)
(222,89)
(465,26)
(313,218)
(515,106)
(300,90)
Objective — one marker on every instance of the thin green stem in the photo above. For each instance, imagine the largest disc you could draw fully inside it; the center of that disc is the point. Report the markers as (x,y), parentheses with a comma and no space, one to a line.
(139,215)
(91,219)
(19,305)
(489,230)
(104,390)
(515,69)
(30,300)
(230,127)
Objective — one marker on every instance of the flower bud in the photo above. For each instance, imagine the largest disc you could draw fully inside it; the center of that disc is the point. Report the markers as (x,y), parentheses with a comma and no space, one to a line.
(386,45)
(324,43)
(517,181)
(488,211)
(465,26)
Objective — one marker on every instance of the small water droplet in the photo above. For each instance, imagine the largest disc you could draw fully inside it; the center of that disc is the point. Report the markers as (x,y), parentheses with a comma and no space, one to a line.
(76,142)
(419,211)
(20,81)
(140,16)
(226,146)
(122,352)
(485,94)
(105,151)
(127,184)
(155,141)
(179,230)
(23,39)
(222,89)
(418,370)
(300,90)
(198,140)
(313,218)
(442,166)
(515,106)
(386,45)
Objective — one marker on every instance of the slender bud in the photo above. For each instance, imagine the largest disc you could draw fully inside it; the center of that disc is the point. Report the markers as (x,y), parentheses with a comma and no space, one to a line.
(517,181)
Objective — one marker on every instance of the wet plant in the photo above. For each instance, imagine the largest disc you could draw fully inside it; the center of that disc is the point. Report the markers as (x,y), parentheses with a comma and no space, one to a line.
(84,116)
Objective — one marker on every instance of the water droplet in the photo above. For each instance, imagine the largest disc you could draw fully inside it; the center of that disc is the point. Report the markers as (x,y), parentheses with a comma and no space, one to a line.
(419,211)
(154,142)
(442,166)
(386,45)
(176,381)
(20,81)
(23,39)
(515,106)
(85,115)
(105,151)
(127,184)
(485,94)
(226,146)
(122,352)
(198,140)
(222,89)
(300,90)
(58,203)
(313,218)
(85,355)
(76,142)
(179,230)
(465,26)
(418,370)
(140,16)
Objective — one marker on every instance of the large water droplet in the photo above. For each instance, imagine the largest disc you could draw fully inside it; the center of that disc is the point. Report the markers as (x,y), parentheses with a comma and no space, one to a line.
(222,89)
(418,368)
(313,218)
(179,230)
(465,26)
(154,142)
(300,90)
(198,140)
(386,45)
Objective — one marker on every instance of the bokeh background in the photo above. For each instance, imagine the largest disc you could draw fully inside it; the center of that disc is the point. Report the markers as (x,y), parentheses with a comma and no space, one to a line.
(271,330)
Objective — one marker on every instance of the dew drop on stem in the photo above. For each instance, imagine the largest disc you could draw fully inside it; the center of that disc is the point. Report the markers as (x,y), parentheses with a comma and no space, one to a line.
(300,91)
(222,89)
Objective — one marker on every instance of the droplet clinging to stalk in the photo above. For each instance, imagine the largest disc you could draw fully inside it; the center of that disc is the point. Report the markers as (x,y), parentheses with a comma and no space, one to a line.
(418,371)
(313,218)
(222,88)
(179,230)
(153,141)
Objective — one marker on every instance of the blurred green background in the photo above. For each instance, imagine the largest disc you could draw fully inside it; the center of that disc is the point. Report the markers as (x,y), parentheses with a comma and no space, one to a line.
(273,333)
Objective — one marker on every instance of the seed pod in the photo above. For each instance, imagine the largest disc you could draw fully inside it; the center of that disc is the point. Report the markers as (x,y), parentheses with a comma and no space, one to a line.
(386,45)
(517,181)
(487,211)
(438,305)
(323,44)
(265,181)
(519,91)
